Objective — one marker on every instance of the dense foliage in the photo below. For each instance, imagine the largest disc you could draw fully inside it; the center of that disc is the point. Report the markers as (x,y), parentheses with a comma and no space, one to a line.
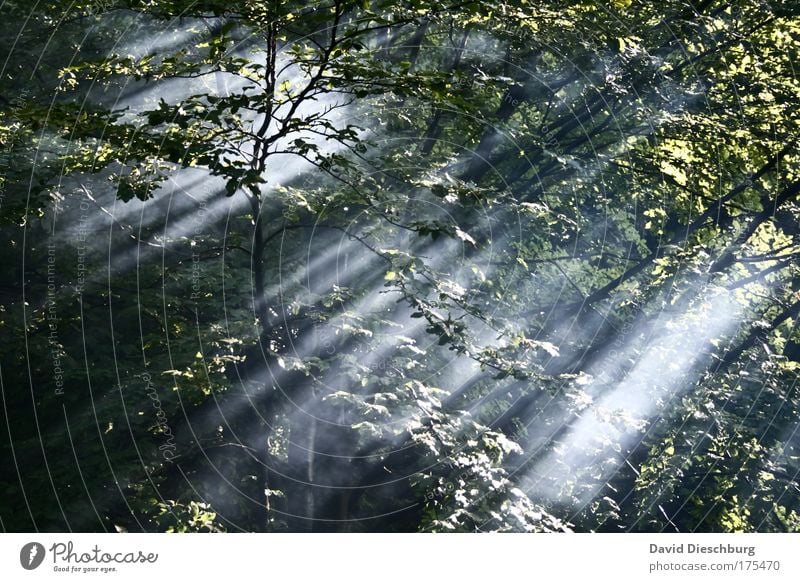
(525,265)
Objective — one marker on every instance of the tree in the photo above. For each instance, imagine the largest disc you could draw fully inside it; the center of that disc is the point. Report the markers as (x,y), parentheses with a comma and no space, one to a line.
(520,266)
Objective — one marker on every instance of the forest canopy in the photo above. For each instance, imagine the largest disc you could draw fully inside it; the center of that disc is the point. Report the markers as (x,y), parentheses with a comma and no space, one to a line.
(410,266)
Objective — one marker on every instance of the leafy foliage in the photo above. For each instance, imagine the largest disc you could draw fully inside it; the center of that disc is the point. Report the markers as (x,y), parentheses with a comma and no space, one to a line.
(510,266)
